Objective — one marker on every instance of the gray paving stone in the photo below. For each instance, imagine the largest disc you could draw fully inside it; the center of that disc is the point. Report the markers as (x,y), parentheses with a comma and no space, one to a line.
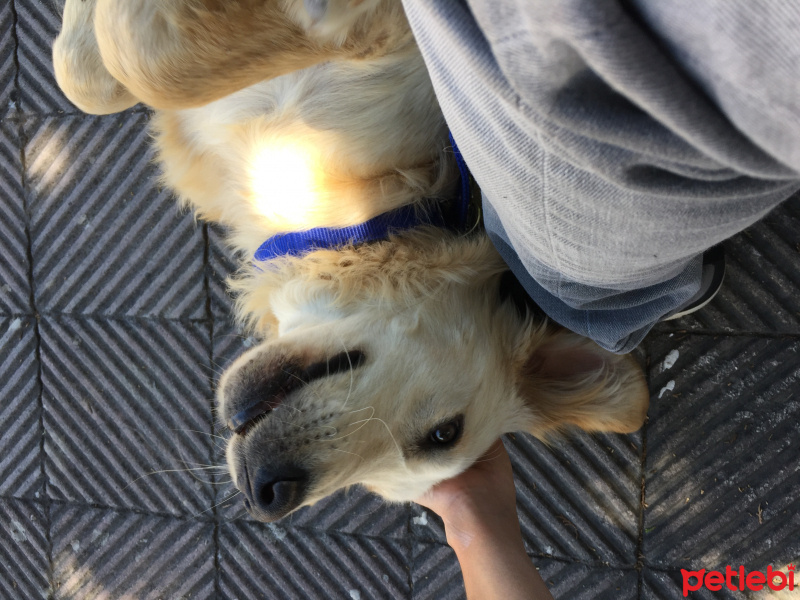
(668,585)
(106,240)
(122,401)
(580,498)
(14,267)
(222,263)
(577,500)
(437,576)
(109,554)
(586,582)
(23,550)
(8,67)
(723,441)
(275,562)
(38,23)
(354,511)
(760,292)
(20,410)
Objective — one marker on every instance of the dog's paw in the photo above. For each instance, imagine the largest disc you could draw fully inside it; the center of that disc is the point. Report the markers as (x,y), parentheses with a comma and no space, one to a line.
(78,67)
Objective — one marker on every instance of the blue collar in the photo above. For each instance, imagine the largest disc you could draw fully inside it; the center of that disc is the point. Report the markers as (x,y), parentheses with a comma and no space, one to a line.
(439,214)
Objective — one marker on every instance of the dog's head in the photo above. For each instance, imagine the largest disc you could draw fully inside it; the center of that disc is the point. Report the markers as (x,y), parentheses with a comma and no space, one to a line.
(400,383)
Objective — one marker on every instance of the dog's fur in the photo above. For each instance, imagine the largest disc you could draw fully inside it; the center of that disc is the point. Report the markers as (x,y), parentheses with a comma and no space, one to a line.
(335,94)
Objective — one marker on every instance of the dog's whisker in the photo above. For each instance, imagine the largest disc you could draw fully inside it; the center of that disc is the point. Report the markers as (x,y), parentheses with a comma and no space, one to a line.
(489,457)
(237,517)
(346,452)
(163,471)
(213,435)
(223,501)
(298,379)
(391,435)
(363,423)
(350,412)
(349,360)
(200,466)
(211,369)
(215,363)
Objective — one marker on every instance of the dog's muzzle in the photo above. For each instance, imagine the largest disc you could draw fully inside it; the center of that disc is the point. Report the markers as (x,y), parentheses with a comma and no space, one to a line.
(273,491)
(272,481)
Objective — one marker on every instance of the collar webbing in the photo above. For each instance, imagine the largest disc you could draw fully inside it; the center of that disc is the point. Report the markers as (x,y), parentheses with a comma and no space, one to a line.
(406,217)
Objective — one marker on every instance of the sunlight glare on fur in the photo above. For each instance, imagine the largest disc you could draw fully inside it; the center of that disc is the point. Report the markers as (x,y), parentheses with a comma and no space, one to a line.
(284,182)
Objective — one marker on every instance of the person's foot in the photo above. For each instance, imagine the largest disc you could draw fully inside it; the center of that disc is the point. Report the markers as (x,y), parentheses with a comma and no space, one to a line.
(713,274)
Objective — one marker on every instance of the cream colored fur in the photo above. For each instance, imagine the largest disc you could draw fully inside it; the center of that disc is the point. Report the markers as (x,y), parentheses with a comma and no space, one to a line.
(279,116)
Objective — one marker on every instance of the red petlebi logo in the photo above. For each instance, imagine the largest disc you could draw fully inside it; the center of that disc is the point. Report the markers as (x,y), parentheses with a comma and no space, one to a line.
(754,580)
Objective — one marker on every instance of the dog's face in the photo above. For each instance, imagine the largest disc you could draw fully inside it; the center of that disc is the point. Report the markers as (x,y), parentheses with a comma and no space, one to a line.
(399,395)
(393,400)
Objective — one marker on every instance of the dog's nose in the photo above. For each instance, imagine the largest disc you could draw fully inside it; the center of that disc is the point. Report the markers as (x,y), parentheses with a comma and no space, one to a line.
(274,491)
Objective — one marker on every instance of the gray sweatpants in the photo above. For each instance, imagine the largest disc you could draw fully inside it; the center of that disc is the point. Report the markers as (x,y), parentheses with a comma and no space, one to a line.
(615,141)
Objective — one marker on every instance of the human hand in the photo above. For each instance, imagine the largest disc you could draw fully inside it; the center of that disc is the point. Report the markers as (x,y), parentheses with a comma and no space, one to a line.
(478,503)
(479,510)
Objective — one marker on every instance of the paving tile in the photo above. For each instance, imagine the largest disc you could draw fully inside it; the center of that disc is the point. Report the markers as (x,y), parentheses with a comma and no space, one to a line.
(223,262)
(578,499)
(106,240)
(437,576)
(584,582)
(228,343)
(38,23)
(435,573)
(355,511)
(760,292)
(24,561)
(14,285)
(668,585)
(20,410)
(723,441)
(109,554)
(270,561)
(8,66)
(123,400)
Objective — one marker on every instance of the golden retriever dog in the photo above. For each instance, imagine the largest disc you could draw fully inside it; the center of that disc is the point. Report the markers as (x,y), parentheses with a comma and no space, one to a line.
(392,363)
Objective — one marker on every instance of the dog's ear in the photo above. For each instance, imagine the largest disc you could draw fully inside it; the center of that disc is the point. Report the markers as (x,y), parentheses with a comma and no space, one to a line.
(565,379)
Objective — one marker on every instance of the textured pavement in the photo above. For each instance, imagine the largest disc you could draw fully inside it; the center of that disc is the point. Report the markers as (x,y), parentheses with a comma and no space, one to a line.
(114,326)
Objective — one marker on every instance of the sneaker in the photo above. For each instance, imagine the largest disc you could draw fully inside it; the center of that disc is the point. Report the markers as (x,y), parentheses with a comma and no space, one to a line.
(713,274)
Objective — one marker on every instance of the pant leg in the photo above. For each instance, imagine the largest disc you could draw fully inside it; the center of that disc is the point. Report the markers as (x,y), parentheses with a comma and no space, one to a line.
(618,321)
(606,167)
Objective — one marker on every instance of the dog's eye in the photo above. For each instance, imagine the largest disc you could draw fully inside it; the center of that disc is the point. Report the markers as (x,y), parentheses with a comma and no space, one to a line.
(447,433)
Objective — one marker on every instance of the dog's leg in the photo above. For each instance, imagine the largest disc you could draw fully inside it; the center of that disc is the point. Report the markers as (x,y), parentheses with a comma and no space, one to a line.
(182,53)
(78,67)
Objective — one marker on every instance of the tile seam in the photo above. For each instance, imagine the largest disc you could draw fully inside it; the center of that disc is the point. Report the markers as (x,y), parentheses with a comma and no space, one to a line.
(209,316)
(23,142)
(639,556)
